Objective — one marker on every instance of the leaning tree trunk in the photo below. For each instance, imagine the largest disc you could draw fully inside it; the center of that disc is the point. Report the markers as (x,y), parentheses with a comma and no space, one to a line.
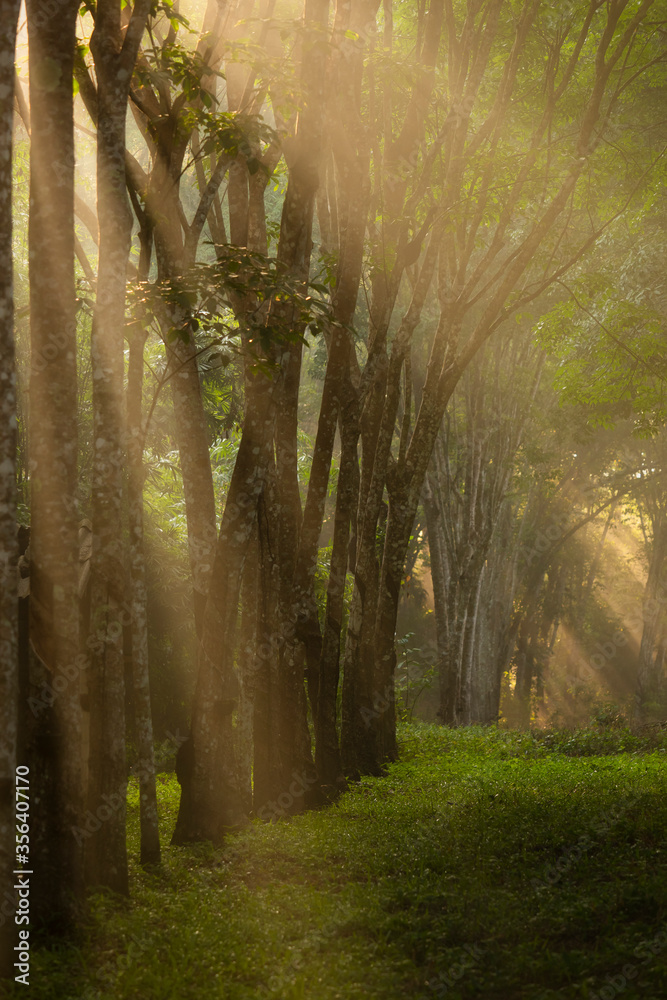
(9,10)
(56,851)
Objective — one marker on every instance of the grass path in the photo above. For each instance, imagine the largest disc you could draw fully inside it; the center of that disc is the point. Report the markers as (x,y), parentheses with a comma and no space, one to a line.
(486,865)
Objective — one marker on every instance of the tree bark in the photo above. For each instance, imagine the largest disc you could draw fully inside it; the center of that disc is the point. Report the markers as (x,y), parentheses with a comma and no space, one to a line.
(143,720)
(106,852)
(57,851)
(9,625)
(649,680)
(285,516)
(337,403)
(210,803)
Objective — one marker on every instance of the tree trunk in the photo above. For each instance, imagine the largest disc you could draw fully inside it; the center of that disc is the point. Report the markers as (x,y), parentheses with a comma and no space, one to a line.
(210,802)
(143,720)
(647,694)
(339,399)
(195,460)
(9,625)
(106,852)
(284,517)
(470,639)
(439,578)
(245,710)
(56,853)
(267,772)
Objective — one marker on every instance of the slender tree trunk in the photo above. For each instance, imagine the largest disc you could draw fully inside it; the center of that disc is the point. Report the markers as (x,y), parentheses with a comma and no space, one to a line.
(647,693)
(9,625)
(339,399)
(106,853)
(247,671)
(470,638)
(438,563)
(191,430)
(57,850)
(327,750)
(143,720)
(268,769)
(294,250)
(192,438)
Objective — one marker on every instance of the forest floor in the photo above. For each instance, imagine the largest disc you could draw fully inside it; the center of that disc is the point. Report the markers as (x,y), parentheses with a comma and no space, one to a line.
(487,864)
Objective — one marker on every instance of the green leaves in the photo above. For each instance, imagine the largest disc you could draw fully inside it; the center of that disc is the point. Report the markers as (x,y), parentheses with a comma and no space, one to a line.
(166,7)
(241,293)
(173,64)
(230,133)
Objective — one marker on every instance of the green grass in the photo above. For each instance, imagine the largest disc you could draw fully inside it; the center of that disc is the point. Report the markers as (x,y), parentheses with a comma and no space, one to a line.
(488,864)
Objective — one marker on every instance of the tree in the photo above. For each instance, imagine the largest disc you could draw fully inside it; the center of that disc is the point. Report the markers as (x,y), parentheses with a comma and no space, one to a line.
(56,764)
(471,474)
(650,695)
(115,56)
(9,12)
(270,421)
(498,249)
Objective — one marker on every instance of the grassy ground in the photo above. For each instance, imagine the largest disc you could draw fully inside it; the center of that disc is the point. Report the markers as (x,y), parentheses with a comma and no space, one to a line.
(487,864)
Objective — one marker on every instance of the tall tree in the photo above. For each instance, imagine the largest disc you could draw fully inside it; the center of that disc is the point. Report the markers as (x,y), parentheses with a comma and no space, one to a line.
(106,862)
(54,626)
(480,284)
(471,472)
(651,679)
(270,421)
(9,12)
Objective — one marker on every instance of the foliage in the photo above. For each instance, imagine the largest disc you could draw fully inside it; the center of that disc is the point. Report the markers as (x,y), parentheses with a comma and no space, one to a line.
(413,676)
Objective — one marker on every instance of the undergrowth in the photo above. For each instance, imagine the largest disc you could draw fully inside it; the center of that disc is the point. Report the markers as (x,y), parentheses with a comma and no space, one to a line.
(486,864)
